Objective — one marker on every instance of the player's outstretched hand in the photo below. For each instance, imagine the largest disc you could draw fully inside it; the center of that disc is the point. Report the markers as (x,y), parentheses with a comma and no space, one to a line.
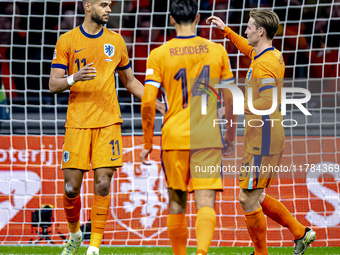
(230,148)
(86,73)
(143,156)
(217,21)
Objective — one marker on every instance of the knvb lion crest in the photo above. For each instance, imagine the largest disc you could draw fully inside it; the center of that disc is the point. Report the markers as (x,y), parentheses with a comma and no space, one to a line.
(109,50)
(140,197)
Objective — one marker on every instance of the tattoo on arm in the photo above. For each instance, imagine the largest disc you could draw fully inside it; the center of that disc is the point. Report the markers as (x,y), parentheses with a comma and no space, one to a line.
(148,117)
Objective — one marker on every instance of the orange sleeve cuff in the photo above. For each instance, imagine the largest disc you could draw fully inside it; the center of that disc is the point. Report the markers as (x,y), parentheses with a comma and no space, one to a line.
(226,31)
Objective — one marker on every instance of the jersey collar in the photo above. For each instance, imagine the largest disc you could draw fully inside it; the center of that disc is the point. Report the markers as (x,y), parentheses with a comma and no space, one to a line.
(268,49)
(88,35)
(185,37)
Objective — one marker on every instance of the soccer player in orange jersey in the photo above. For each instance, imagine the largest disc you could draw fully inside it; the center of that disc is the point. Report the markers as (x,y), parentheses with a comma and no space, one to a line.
(186,70)
(263,144)
(90,54)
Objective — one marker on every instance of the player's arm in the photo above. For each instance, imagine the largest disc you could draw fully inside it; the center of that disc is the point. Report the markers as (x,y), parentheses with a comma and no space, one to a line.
(266,83)
(229,137)
(59,84)
(264,102)
(148,111)
(227,78)
(238,41)
(136,88)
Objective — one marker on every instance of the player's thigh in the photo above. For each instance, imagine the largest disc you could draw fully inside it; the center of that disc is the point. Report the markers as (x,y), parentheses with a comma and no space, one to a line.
(107,147)
(175,164)
(77,149)
(258,171)
(206,169)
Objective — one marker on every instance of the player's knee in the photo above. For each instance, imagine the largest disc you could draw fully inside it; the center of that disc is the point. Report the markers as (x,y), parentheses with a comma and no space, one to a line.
(244,200)
(71,189)
(205,198)
(248,203)
(103,186)
(262,197)
(205,203)
(177,208)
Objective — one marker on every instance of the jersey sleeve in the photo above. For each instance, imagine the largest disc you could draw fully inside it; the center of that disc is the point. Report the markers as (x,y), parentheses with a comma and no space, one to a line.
(266,76)
(153,74)
(239,42)
(125,61)
(61,53)
(148,109)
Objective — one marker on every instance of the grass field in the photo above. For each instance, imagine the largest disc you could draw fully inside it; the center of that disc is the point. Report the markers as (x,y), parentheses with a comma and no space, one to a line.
(119,250)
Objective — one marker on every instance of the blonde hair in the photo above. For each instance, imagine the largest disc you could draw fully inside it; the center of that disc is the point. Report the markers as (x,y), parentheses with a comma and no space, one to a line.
(267,19)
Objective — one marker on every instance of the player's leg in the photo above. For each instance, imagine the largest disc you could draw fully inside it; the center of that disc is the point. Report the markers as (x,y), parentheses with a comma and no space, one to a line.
(176,222)
(72,206)
(75,156)
(206,219)
(275,210)
(106,156)
(73,179)
(252,181)
(255,220)
(205,183)
(100,207)
(176,170)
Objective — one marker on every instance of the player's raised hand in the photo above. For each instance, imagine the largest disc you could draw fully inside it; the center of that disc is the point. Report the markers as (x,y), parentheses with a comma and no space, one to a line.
(217,21)
(143,156)
(230,147)
(86,73)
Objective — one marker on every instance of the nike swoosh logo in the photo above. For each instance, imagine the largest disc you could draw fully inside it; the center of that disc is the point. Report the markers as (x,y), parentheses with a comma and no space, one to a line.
(305,242)
(240,180)
(101,214)
(113,159)
(76,51)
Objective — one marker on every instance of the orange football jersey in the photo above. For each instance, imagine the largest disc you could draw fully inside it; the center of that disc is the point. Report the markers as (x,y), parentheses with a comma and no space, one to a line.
(94,103)
(185,69)
(265,72)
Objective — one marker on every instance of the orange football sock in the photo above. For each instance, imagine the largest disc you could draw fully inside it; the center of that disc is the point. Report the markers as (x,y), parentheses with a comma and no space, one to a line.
(178,233)
(205,228)
(99,210)
(257,228)
(72,208)
(275,210)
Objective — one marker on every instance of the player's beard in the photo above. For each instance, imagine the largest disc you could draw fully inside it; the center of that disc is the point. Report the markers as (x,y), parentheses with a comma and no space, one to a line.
(96,18)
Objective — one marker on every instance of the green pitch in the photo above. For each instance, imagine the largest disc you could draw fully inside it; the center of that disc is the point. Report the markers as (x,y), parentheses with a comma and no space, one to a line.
(119,250)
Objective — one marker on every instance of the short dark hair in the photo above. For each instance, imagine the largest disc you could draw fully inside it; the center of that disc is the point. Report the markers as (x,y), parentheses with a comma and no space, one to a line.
(184,11)
(267,19)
